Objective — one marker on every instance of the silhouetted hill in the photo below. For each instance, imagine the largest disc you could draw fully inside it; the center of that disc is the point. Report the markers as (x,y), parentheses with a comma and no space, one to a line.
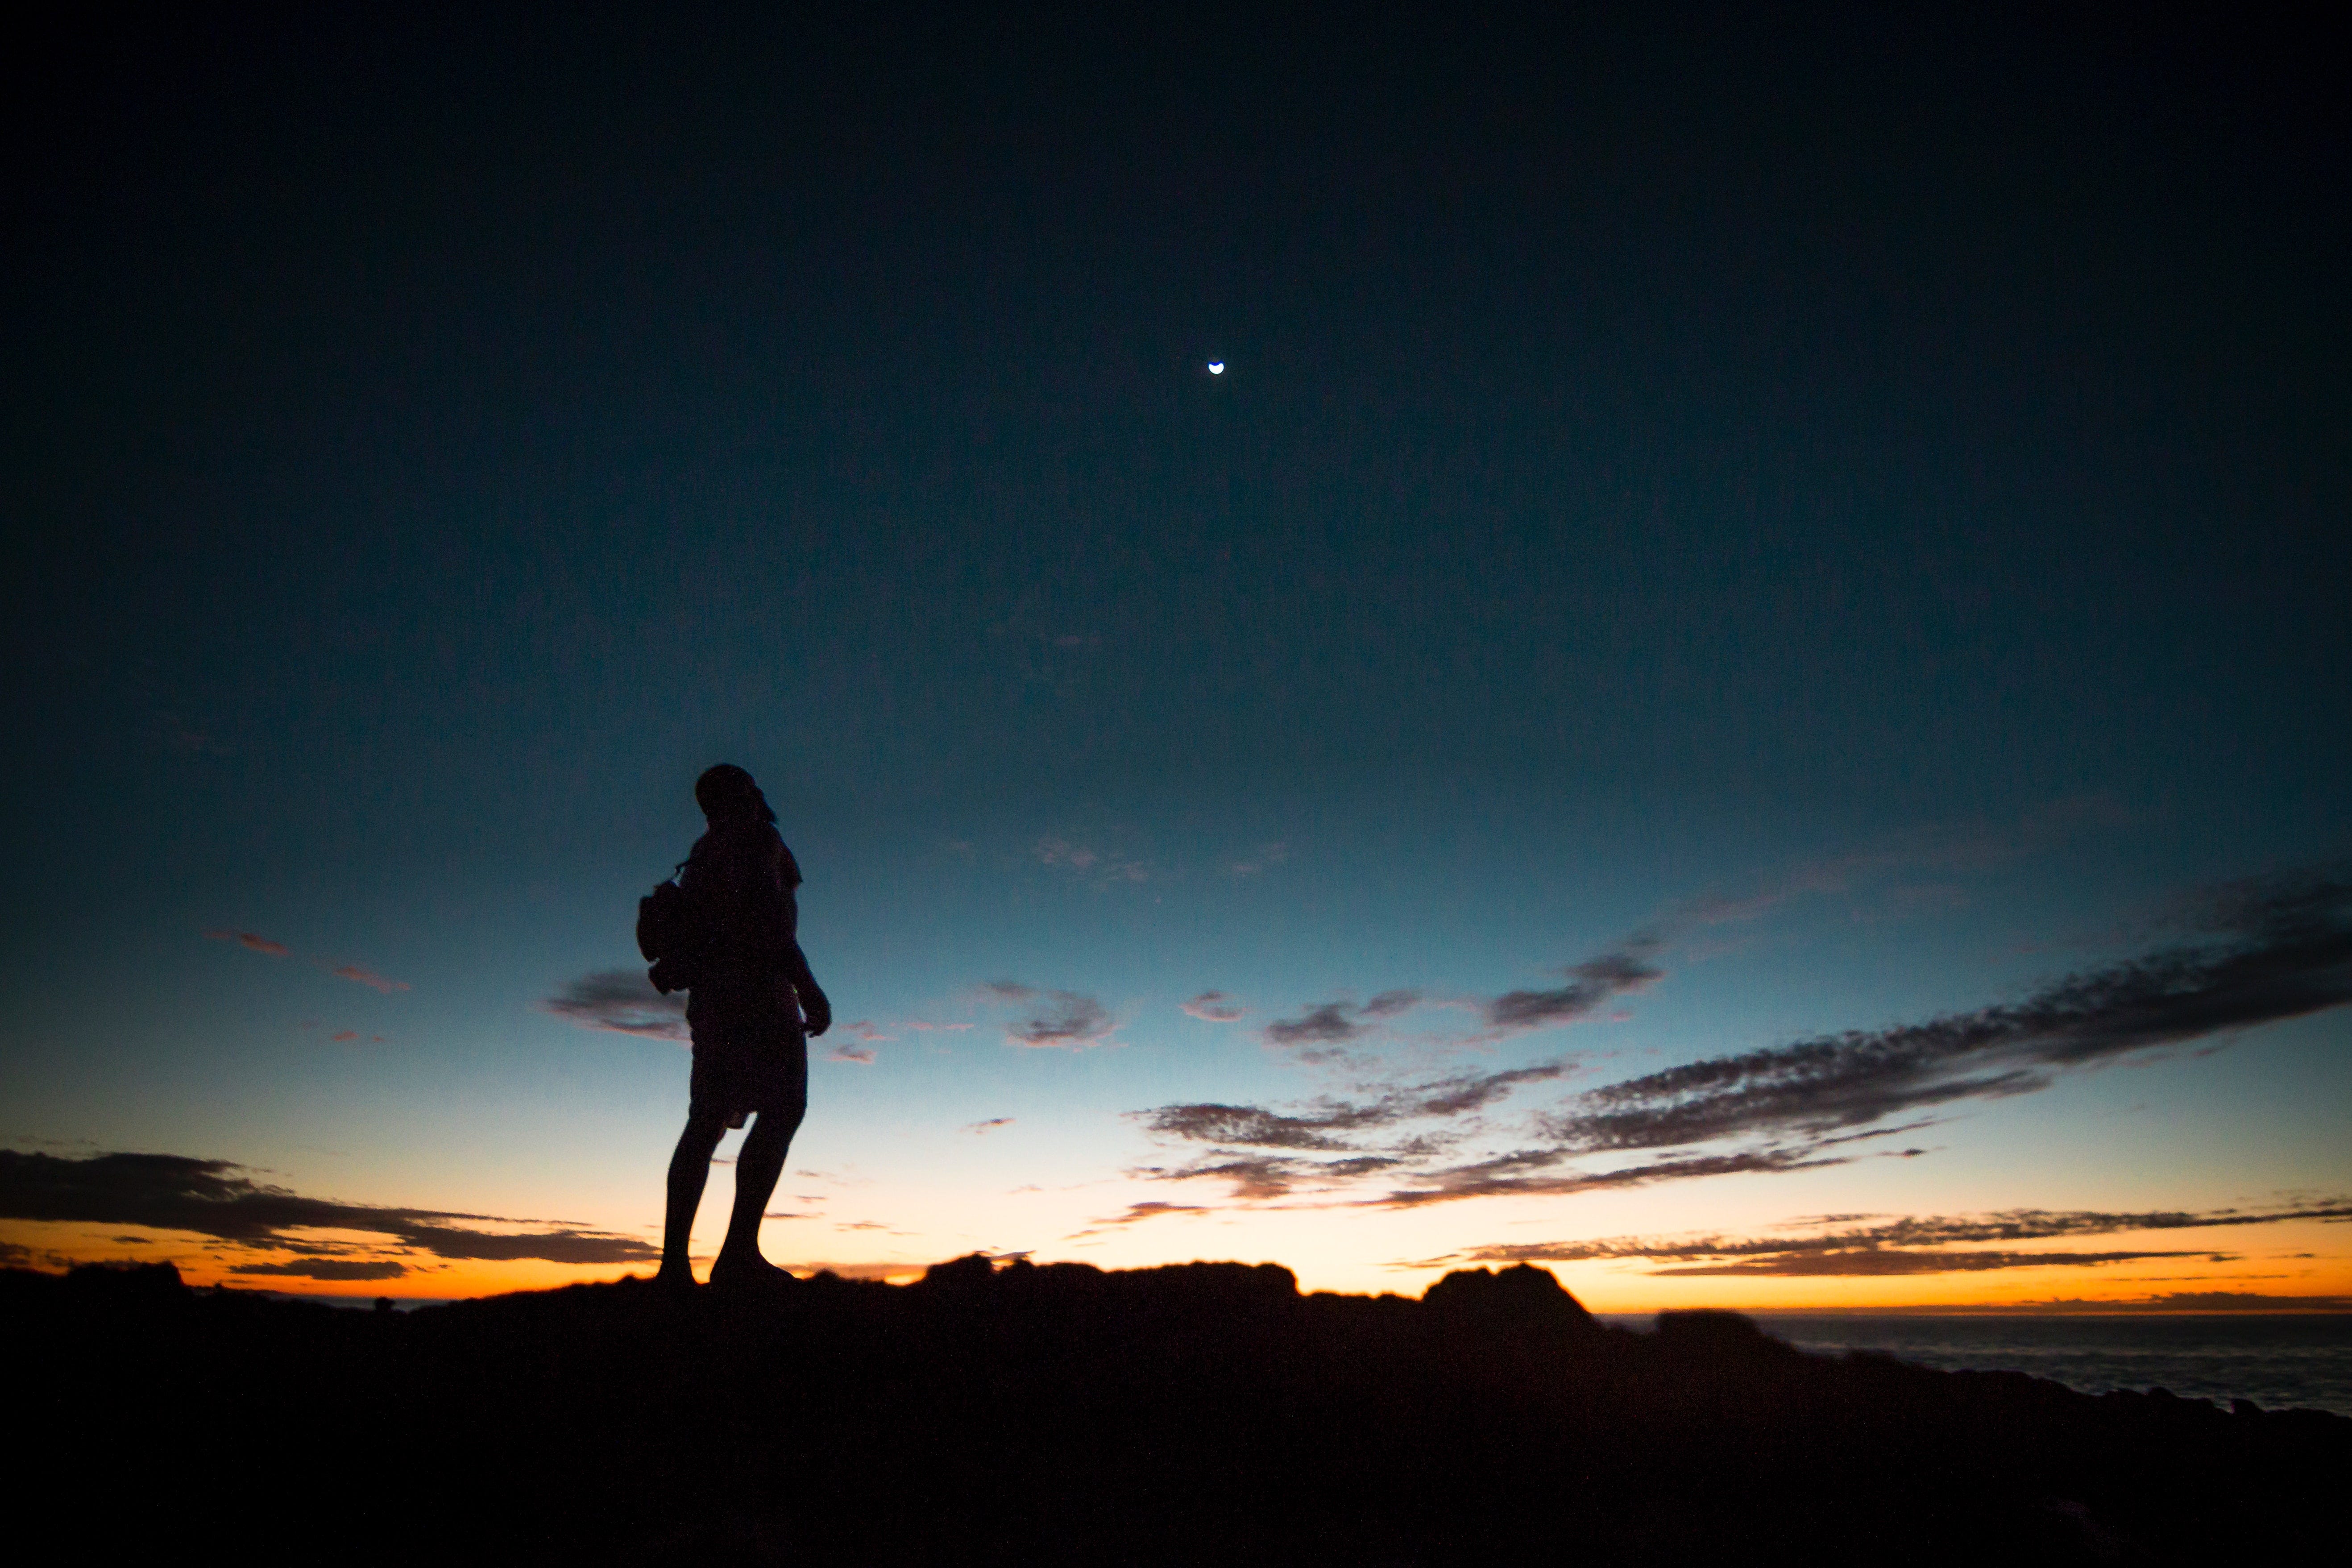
(1202,1413)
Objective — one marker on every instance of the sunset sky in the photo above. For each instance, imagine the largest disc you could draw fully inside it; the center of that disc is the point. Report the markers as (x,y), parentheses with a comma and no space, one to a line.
(1740,689)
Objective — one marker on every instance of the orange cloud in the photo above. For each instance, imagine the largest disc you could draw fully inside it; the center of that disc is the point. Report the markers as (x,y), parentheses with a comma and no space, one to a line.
(246,939)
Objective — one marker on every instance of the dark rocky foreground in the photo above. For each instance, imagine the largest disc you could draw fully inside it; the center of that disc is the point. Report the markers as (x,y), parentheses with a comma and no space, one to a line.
(1198,1414)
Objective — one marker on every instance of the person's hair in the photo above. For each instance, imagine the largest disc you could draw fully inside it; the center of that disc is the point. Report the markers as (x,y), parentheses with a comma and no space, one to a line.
(727,791)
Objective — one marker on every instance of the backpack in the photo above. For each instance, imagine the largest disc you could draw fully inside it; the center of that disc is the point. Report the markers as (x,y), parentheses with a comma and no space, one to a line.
(667,934)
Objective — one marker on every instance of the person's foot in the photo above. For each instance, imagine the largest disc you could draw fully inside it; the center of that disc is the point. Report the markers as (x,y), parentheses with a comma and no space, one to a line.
(748,1271)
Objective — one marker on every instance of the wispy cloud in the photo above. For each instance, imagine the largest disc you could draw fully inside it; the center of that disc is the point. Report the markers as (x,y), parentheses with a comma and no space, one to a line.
(2261,952)
(252,940)
(2203,1302)
(1942,847)
(1327,1024)
(1255,1127)
(255,941)
(1454,1095)
(1591,986)
(1216,1007)
(1926,1244)
(858,1042)
(1239,1134)
(991,1125)
(1534,1172)
(216,1198)
(896,1273)
(328,1268)
(1083,860)
(1053,851)
(1266,855)
(1135,1214)
(2281,949)
(623,1001)
(1882,1262)
(1067,1020)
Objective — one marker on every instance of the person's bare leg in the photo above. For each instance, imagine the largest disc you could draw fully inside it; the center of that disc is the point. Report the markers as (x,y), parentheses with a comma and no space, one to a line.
(689,1169)
(758,1165)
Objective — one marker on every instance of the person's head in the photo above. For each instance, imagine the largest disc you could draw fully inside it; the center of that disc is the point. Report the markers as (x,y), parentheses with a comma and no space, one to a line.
(727,794)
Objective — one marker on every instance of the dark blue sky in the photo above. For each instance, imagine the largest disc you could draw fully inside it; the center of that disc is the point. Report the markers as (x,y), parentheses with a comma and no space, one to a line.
(1659,457)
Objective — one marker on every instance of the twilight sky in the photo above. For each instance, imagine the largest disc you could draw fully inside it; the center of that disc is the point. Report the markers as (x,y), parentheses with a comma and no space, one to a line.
(1740,687)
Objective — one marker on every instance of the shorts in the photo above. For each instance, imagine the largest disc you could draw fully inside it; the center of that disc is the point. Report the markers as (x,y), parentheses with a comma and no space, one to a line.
(751,1053)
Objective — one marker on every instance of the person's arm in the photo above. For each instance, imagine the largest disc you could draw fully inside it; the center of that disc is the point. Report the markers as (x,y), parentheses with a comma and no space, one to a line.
(814,1005)
(779,913)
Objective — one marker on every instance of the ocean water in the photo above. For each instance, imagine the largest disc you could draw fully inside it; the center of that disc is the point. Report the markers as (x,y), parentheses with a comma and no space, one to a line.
(2280,1360)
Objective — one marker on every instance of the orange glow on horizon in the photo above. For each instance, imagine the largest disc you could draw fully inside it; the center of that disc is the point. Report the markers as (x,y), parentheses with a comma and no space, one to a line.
(2271,1269)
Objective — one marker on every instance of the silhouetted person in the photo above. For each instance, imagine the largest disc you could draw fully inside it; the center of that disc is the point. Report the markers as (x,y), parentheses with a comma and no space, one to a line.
(751,1005)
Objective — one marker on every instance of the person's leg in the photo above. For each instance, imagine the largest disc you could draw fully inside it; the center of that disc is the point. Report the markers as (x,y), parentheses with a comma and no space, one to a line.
(758,1165)
(689,1169)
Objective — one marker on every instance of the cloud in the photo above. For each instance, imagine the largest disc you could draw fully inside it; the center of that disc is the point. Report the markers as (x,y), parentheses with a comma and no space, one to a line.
(1465,1092)
(1056,1019)
(344,1034)
(1318,1124)
(1591,984)
(251,940)
(1087,862)
(991,1125)
(1143,1211)
(1951,846)
(1062,852)
(1926,1244)
(2258,951)
(865,1035)
(896,1273)
(1254,1125)
(623,1001)
(1258,1176)
(327,1268)
(257,943)
(1527,1173)
(14,1255)
(2210,1301)
(1215,1007)
(212,1197)
(1881,1262)
(1330,1126)
(1326,1023)
(1266,855)
(1338,1023)
(2285,950)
